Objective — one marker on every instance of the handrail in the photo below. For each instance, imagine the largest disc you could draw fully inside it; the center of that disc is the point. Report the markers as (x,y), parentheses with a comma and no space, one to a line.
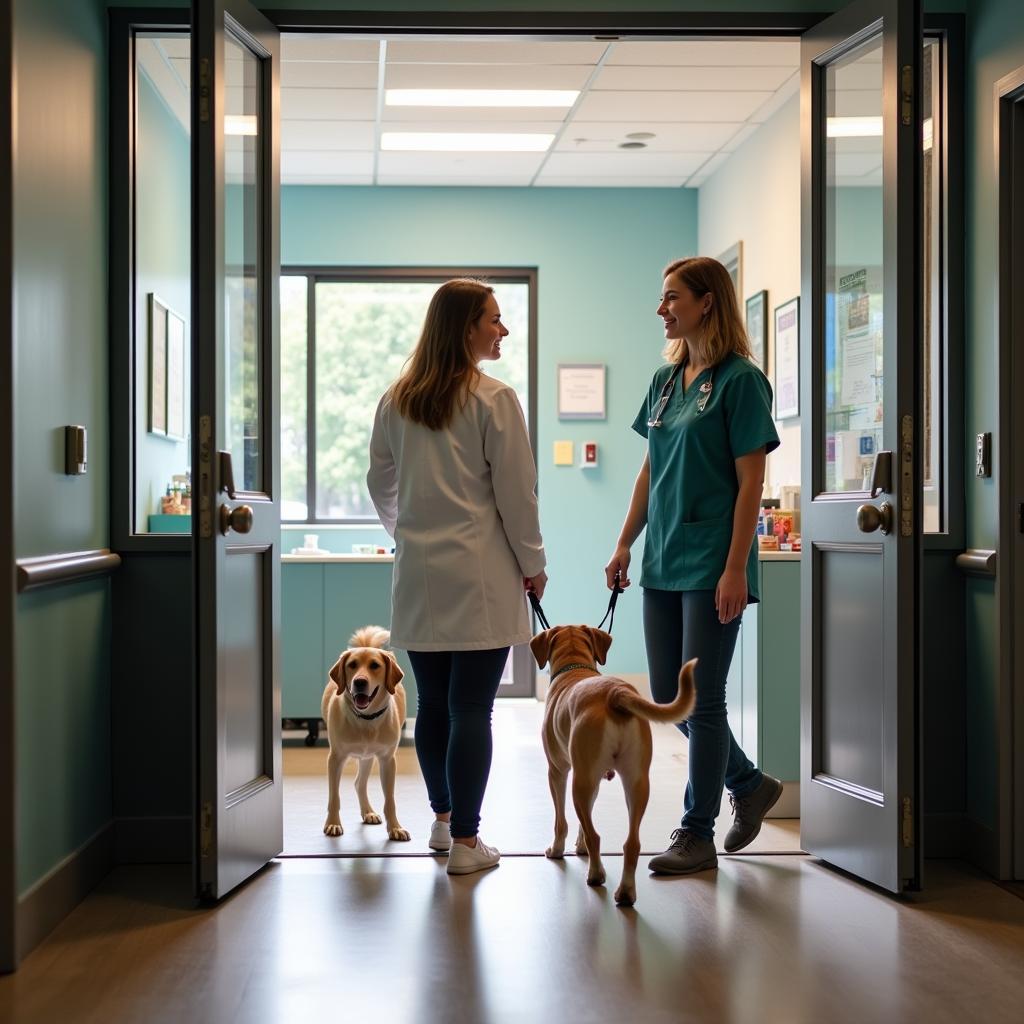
(69,567)
(977,562)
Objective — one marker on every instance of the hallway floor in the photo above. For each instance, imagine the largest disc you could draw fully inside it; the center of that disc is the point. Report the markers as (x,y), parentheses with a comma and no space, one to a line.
(772,940)
(517,815)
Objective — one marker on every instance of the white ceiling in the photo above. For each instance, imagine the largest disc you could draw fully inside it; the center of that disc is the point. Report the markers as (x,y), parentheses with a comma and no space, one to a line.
(701,99)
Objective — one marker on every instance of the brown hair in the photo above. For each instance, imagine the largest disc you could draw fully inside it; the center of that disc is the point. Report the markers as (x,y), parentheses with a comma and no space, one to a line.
(723,332)
(441,370)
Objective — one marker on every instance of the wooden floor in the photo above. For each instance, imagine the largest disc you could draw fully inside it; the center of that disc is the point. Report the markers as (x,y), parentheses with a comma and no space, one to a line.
(517,816)
(771,940)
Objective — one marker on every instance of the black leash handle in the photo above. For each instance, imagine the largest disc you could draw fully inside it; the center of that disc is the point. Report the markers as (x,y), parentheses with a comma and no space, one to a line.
(610,614)
(537,610)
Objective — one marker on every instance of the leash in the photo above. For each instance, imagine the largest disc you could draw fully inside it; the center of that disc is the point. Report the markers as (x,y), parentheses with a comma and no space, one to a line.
(609,615)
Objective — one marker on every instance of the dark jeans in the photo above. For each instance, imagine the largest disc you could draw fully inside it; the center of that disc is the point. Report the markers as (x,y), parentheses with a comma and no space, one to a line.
(678,626)
(453,729)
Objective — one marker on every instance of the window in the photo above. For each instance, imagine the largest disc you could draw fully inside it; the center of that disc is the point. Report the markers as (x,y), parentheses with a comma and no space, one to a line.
(344,340)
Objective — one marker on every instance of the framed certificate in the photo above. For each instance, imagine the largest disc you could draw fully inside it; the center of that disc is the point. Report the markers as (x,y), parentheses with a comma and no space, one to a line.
(787,359)
(757,328)
(157,366)
(581,391)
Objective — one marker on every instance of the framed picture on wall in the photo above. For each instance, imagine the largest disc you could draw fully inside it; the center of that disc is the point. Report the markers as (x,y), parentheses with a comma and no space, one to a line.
(787,359)
(175,376)
(757,328)
(732,260)
(157,366)
(581,391)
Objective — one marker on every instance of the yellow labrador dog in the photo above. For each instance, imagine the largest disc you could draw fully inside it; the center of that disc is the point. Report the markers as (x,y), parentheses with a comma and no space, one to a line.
(364,708)
(598,725)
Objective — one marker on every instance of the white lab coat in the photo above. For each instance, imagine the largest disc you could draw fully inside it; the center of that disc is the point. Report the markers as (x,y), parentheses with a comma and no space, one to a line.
(461,505)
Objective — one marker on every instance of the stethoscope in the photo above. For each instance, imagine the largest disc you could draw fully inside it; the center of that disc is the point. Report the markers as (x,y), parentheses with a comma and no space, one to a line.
(666,394)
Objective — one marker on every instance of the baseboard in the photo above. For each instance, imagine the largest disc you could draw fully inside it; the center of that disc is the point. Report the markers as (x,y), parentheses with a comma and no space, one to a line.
(981,846)
(153,840)
(61,889)
(788,805)
(944,835)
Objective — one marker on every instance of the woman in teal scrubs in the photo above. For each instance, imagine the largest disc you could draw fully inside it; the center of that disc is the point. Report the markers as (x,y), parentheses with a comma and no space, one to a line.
(708,422)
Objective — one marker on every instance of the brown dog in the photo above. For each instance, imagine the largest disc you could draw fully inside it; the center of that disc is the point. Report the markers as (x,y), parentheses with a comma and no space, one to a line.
(364,708)
(598,725)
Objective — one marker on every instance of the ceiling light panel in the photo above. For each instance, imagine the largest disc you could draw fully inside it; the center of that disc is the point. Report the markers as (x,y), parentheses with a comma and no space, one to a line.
(526,98)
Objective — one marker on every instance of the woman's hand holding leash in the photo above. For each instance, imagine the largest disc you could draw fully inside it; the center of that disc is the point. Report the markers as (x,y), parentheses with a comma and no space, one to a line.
(731,594)
(618,566)
(535,584)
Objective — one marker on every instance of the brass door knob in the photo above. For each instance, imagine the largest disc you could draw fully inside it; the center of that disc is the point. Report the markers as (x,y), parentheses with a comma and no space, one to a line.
(872,517)
(238,519)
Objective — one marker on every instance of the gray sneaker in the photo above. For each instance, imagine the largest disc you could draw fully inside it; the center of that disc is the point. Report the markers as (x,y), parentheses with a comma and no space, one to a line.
(749,812)
(687,854)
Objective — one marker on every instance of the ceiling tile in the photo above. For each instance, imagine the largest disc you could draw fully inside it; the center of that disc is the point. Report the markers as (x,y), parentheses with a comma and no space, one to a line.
(297,46)
(623,165)
(325,74)
(705,171)
(327,135)
(499,118)
(789,89)
(669,106)
(320,164)
(545,180)
(709,53)
(329,104)
(690,78)
(605,136)
(459,165)
(328,179)
(500,52)
(485,76)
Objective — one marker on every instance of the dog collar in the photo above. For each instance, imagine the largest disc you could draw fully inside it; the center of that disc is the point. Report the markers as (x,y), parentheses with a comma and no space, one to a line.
(569,668)
(369,718)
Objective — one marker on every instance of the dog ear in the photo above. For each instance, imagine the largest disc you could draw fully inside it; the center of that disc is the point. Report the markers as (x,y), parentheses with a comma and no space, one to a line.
(600,641)
(393,673)
(540,645)
(337,672)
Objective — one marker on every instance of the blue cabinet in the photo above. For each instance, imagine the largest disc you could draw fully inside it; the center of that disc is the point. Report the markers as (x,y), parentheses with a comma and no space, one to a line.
(322,605)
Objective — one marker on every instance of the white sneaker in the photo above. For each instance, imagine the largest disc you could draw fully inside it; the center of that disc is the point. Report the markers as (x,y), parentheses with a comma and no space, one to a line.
(440,837)
(464,860)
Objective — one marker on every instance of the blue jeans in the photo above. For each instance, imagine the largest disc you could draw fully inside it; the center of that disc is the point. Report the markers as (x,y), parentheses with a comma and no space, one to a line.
(453,729)
(678,626)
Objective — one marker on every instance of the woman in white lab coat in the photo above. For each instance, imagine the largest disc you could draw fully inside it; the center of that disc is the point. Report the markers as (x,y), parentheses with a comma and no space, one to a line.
(453,478)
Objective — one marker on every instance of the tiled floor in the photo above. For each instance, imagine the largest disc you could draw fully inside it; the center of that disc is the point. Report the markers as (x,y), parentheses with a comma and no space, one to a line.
(517,815)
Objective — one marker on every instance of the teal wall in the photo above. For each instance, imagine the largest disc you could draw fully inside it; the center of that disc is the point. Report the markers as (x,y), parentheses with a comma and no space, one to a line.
(599,254)
(995,47)
(163,265)
(60,335)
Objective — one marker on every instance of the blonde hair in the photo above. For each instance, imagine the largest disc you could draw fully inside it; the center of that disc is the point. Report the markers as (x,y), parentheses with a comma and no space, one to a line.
(723,332)
(441,370)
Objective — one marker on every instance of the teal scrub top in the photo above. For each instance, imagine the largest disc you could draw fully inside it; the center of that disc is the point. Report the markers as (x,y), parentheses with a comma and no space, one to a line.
(693,472)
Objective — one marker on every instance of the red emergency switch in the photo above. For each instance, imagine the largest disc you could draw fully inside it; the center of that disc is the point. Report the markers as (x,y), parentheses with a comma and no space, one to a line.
(589,454)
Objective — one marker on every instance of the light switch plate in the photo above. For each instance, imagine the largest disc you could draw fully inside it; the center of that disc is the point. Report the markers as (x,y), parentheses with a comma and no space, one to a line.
(563,453)
(983,455)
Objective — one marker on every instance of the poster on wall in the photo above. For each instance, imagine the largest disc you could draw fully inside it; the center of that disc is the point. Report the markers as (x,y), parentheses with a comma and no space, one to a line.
(757,328)
(856,341)
(787,359)
(175,377)
(581,391)
(157,366)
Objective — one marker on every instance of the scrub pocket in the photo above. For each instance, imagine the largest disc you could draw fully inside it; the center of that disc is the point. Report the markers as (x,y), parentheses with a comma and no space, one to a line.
(705,551)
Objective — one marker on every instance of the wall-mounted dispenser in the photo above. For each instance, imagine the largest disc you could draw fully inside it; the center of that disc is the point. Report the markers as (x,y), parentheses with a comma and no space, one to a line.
(75,460)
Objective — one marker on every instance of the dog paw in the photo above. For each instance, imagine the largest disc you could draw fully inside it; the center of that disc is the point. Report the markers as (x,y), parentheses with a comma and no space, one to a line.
(555,852)
(625,896)
(372,818)
(399,834)
(596,878)
(333,828)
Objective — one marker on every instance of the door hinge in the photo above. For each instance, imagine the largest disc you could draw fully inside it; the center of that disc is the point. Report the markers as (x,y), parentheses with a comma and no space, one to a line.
(907,822)
(206,830)
(907,95)
(907,477)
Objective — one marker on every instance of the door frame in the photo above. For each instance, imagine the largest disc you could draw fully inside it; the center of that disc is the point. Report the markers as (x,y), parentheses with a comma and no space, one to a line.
(1009,126)
(8,778)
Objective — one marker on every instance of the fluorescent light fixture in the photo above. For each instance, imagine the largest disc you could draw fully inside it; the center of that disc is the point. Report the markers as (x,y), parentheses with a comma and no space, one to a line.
(480,97)
(240,124)
(465,142)
(853,127)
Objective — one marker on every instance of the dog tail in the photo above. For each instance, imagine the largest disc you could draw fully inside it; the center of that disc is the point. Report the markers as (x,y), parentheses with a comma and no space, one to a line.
(626,699)
(370,636)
